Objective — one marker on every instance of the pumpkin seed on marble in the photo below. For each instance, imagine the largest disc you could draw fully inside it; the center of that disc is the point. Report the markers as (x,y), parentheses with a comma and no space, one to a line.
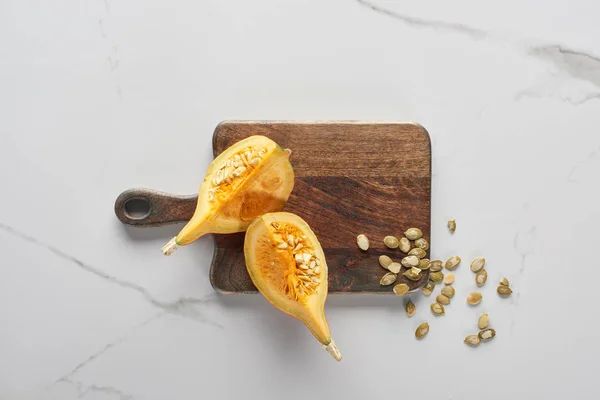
(414,274)
(363,242)
(391,242)
(477,264)
(481,277)
(452,263)
(448,291)
(487,334)
(440,298)
(504,282)
(404,245)
(422,243)
(401,289)
(452,225)
(410,261)
(418,252)
(422,330)
(395,267)
(410,309)
(474,298)
(428,288)
(449,278)
(388,279)
(472,340)
(413,234)
(436,265)
(437,309)
(504,291)
(436,277)
(483,321)
(384,261)
(424,263)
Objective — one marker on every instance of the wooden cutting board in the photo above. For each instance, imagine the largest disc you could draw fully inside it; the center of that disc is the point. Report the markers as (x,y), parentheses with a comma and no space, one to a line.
(351,178)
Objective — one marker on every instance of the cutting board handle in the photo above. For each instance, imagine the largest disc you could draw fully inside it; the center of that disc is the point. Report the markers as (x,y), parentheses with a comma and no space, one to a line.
(146,208)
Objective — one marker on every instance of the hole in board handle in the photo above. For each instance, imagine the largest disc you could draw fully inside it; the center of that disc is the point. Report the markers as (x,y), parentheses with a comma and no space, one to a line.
(137,208)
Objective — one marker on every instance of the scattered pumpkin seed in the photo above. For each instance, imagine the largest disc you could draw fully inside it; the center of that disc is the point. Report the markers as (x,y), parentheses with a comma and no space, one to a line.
(413,234)
(391,242)
(414,274)
(401,289)
(452,225)
(487,334)
(424,263)
(422,330)
(418,252)
(445,300)
(404,245)
(449,278)
(472,340)
(448,291)
(395,267)
(477,264)
(436,277)
(384,261)
(428,288)
(452,263)
(410,309)
(437,309)
(410,261)
(436,265)
(388,279)
(363,242)
(483,321)
(481,277)
(504,282)
(504,291)
(422,243)
(474,298)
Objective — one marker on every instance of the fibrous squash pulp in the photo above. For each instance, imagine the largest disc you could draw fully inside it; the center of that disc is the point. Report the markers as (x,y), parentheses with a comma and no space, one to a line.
(286,263)
(252,177)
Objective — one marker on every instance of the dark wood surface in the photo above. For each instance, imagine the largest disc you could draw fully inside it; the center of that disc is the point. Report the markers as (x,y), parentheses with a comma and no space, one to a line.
(351,178)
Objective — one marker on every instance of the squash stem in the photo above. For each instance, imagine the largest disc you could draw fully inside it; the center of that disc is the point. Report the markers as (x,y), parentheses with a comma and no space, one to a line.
(333,350)
(170,247)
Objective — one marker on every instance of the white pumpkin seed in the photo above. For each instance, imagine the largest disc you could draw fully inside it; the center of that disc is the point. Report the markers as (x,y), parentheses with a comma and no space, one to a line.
(452,225)
(418,252)
(410,309)
(483,321)
(477,264)
(410,261)
(448,291)
(413,234)
(474,298)
(422,243)
(363,242)
(504,282)
(437,309)
(436,277)
(401,289)
(452,263)
(481,277)
(388,279)
(487,334)
(282,246)
(472,340)
(449,278)
(424,263)
(436,265)
(428,288)
(404,245)
(440,298)
(391,242)
(422,330)
(395,267)
(504,291)
(384,261)
(414,274)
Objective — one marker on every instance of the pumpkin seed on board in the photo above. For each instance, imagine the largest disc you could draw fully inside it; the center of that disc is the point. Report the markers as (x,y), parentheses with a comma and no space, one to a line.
(413,234)
(424,263)
(452,225)
(418,252)
(391,242)
(422,243)
(483,321)
(481,277)
(384,261)
(363,242)
(422,330)
(449,278)
(440,298)
(437,309)
(395,267)
(472,340)
(452,263)
(448,291)
(428,288)
(504,291)
(474,298)
(477,264)
(436,265)
(487,334)
(410,261)
(414,274)
(388,279)
(401,289)
(410,309)
(404,245)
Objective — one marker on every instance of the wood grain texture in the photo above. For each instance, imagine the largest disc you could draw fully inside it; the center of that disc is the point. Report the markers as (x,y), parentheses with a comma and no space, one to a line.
(351,178)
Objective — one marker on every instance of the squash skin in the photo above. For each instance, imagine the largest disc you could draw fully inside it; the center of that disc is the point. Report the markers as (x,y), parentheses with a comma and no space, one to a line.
(268,267)
(230,205)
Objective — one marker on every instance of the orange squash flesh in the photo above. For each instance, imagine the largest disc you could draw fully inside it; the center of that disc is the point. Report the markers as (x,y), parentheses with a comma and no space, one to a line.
(250,178)
(287,265)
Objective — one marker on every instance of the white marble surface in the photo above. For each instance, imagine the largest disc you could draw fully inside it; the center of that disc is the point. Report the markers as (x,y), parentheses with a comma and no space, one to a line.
(98,96)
